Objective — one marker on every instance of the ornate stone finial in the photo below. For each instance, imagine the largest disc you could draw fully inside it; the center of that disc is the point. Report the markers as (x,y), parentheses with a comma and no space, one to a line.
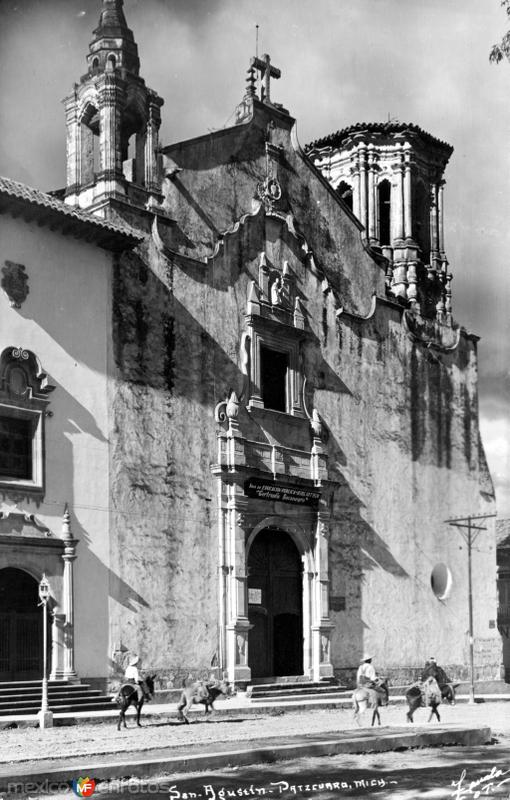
(253,302)
(448,295)
(298,317)
(232,409)
(66,524)
(316,424)
(250,82)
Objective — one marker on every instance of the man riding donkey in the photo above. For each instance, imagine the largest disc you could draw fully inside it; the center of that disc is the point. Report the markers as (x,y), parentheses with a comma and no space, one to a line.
(371,691)
(133,678)
(433,670)
(366,676)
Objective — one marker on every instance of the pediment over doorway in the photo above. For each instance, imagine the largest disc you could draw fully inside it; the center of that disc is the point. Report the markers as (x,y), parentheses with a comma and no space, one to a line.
(23,524)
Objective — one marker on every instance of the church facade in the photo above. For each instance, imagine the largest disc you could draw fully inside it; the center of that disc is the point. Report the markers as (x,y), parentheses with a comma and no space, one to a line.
(236,443)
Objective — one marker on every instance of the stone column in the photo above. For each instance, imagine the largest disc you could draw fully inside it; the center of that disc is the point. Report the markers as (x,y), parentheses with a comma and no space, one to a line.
(397,208)
(408,219)
(321,627)
(440,214)
(69,556)
(238,626)
(73,145)
(363,187)
(399,276)
(308,607)
(151,146)
(355,176)
(372,205)
(223,571)
(434,228)
(110,145)
(57,645)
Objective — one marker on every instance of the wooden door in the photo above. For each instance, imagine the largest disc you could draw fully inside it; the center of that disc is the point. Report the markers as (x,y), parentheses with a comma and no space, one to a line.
(21,621)
(275,606)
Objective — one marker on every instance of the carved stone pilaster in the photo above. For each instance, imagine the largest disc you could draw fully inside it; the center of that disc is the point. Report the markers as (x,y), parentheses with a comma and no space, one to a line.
(322,625)
(58,622)
(237,624)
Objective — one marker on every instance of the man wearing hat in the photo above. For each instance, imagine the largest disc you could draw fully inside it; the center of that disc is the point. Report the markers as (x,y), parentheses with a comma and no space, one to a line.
(366,674)
(132,675)
(433,670)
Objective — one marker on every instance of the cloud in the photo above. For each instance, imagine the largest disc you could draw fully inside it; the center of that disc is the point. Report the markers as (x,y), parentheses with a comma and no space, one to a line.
(496,440)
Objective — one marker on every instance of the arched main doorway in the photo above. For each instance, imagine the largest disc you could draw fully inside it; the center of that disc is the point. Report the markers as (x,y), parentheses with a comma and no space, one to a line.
(21,621)
(275,590)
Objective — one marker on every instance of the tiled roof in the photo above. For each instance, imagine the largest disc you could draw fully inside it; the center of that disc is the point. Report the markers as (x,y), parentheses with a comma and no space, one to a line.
(32,204)
(503,532)
(336,139)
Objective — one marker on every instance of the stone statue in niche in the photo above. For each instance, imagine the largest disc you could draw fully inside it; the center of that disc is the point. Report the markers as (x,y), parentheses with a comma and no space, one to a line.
(277,292)
(324,648)
(14,283)
(240,649)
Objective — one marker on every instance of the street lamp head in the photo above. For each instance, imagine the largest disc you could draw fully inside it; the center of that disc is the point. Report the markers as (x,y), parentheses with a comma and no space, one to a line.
(44,589)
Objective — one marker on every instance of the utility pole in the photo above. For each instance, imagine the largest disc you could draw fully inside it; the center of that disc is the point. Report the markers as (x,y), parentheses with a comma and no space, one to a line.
(469,537)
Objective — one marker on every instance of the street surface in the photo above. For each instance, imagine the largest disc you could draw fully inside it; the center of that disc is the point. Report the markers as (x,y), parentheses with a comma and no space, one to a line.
(446,773)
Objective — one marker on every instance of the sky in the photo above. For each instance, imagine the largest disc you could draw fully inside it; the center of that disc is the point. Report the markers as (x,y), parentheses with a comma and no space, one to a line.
(342,61)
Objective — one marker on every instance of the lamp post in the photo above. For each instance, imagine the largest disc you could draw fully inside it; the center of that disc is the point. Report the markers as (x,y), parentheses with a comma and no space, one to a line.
(45,716)
(469,537)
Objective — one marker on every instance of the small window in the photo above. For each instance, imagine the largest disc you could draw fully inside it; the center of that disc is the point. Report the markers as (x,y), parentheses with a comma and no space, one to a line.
(273,377)
(384,193)
(345,192)
(16,436)
(441,581)
(24,391)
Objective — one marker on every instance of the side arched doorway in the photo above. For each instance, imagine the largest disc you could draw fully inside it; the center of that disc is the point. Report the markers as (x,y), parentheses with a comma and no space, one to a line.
(275,605)
(21,627)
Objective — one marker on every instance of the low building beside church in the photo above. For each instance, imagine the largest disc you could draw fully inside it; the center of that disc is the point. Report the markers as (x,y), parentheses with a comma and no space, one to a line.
(236,408)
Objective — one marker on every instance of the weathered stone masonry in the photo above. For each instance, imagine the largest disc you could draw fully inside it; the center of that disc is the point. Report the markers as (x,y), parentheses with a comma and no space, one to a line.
(284,409)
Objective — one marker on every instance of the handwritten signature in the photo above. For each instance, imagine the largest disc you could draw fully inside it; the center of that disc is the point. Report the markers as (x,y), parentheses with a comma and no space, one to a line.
(481,787)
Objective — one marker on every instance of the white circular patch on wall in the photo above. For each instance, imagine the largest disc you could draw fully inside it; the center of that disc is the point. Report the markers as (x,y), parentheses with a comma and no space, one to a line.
(441,581)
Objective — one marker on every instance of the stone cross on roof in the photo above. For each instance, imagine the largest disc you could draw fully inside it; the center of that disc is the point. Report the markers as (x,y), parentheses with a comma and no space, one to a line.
(267,71)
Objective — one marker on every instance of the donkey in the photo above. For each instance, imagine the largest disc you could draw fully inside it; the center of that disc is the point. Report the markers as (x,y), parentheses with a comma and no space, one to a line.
(426,694)
(204,694)
(128,696)
(370,697)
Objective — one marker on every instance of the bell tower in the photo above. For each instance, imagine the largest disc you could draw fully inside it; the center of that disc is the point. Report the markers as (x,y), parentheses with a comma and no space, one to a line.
(112,121)
(390,175)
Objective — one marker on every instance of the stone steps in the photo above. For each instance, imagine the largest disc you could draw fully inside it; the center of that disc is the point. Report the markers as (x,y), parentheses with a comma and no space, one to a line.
(25,698)
(294,690)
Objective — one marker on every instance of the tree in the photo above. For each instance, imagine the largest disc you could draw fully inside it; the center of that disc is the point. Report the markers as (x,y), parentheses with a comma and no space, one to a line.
(502,50)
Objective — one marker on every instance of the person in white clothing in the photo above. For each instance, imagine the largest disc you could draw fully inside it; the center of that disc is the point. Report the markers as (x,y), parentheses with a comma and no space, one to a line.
(132,675)
(366,674)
